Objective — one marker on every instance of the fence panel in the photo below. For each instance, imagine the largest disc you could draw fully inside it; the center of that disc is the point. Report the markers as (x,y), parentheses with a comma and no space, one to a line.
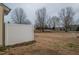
(18,33)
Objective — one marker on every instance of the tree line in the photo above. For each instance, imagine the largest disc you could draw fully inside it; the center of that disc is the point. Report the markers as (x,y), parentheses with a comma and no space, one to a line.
(65,17)
(43,22)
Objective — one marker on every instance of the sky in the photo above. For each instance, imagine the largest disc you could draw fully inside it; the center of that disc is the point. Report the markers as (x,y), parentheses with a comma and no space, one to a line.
(52,9)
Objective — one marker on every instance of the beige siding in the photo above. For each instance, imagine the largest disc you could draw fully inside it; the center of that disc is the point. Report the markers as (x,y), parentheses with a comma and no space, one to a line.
(1,25)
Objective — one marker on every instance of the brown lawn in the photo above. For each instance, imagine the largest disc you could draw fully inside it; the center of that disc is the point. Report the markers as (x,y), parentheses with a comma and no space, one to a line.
(48,44)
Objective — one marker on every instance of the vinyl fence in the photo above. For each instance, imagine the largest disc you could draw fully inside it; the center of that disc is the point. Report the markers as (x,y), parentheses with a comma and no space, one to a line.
(18,33)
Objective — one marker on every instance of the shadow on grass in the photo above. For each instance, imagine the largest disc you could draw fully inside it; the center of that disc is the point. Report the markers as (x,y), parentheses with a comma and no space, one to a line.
(2,49)
(17,45)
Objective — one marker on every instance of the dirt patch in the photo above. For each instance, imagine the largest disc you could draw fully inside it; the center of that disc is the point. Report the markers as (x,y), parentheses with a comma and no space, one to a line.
(48,44)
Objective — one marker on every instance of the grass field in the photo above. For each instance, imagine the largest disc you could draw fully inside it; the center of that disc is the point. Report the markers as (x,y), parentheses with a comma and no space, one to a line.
(49,43)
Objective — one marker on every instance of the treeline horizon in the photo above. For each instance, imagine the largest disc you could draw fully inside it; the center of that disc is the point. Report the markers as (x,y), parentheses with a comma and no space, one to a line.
(65,18)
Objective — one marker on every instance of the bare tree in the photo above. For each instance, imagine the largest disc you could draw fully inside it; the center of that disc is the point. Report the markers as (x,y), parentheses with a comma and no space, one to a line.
(41,16)
(19,16)
(49,22)
(53,22)
(66,15)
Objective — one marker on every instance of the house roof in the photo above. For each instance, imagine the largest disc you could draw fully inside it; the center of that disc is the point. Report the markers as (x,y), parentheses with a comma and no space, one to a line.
(6,9)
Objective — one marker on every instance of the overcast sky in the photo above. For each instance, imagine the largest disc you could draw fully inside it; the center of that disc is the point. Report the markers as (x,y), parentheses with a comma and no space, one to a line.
(52,9)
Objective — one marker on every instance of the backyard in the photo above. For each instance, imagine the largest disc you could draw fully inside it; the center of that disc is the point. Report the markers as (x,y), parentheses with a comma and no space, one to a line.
(55,43)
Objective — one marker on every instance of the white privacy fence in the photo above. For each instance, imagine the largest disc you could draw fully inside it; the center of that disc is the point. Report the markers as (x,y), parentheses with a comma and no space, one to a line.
(18,33)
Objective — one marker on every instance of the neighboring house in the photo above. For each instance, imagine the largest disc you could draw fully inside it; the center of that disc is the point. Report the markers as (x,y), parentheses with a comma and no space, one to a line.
(4,10)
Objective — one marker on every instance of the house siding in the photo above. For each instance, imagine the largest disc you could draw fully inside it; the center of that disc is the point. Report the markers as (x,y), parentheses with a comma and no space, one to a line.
(1,24)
